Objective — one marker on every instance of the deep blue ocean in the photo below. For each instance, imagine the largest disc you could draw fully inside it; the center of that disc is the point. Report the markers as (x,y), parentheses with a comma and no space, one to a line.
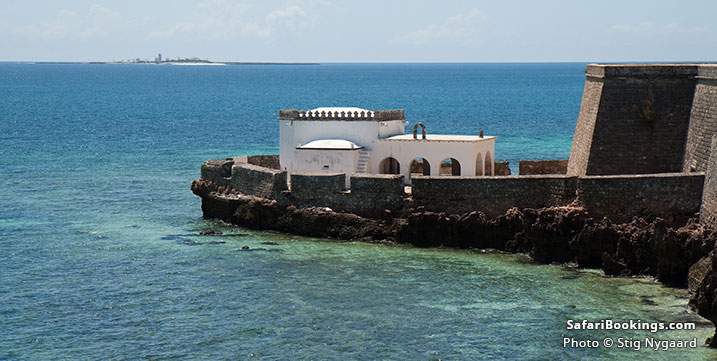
(101,257)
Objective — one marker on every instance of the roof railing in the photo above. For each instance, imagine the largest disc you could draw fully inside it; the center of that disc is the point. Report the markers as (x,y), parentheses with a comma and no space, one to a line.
(377,115)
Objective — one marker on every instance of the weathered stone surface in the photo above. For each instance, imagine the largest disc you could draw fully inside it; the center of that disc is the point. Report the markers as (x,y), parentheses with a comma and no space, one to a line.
(270,161)
(634,119)
(502,168)
(258,181)
(698,273)
(492,195)
(552,232)
(704,299)
(703,121)
(708,211)
(595,239)
(672,196)
(370,195)
(533,167)
(217,171)
(262,213)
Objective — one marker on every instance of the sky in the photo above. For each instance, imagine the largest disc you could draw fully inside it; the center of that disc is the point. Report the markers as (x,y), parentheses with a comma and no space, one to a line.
(360,30)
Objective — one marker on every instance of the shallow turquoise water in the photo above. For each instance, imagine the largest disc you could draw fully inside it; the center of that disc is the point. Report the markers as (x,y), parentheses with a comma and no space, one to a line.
(101,257)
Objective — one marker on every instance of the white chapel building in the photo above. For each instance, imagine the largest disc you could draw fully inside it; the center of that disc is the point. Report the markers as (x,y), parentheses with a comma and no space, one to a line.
(354,140)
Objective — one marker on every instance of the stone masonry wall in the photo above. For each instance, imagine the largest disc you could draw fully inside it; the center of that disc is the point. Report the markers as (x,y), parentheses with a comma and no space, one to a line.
(582,138)
(619,198)
(491,195)
(502,167)
(268,161)
(317,190)
(370,195)
(532,167)
(703,120)
(217,171)
(258,181)
(622,197)
(634,119)
(374,194)
(708,214)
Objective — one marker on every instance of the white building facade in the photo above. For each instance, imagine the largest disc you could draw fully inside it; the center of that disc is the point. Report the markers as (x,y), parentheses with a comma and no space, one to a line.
(354,140)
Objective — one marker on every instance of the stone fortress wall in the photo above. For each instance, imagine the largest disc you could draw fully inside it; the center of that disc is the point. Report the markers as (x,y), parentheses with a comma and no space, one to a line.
(642,145)
(642,119)
(708,212)
(645,145)
(633,119)
(617,197)
(703,122)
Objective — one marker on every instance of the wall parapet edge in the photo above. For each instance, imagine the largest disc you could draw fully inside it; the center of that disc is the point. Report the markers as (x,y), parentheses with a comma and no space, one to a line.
(258,181)
(552,166)
(619,197)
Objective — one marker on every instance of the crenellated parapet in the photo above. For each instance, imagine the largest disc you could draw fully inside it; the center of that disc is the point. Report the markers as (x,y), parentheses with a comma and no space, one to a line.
(342,114)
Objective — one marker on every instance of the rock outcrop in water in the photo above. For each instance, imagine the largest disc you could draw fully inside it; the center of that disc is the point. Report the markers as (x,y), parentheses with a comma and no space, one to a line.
(566,234)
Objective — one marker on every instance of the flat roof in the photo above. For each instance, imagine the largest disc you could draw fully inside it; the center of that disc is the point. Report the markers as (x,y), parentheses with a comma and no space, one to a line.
(336,144)
(442,137)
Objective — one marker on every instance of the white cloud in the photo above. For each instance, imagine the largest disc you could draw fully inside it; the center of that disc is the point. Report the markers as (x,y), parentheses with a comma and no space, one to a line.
(94,22)
(223,19)
(463,28)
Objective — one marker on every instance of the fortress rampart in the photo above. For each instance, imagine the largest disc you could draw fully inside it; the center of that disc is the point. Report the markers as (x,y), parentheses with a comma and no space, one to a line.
(643,161)
(703,120)
(708,212)
(634,119)
(642,146)
(619,197)
(533,167)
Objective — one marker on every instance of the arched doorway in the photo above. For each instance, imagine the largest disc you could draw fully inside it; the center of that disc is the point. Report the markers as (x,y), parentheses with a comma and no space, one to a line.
(479,165)
(488,164)
(420,166)
(449,166)
(389,166)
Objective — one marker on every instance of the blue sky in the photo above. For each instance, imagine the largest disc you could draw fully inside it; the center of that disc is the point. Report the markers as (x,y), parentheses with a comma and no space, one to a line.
(361,31)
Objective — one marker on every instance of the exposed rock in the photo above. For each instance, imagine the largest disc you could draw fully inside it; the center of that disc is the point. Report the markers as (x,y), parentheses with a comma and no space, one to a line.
(594,240)
(702,279)
(555,234)
(210,232)
(552,231)
(704,300)
(697,274)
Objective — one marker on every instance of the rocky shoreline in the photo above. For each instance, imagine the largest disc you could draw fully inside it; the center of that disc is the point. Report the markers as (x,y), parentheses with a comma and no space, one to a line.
(677,254)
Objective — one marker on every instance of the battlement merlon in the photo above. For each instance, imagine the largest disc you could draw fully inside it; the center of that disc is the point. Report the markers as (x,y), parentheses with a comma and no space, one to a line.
(356,115)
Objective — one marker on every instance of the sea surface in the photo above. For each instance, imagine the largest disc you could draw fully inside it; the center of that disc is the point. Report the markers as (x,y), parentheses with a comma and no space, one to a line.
(101,257)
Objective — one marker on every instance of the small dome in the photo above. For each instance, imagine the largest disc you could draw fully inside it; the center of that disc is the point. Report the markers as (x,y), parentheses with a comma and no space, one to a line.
(340,144)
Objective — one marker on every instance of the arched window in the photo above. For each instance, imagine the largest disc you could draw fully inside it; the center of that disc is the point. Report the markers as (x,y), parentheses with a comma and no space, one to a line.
(420,166)
(479,165)
(389,166)
(488,164)
(450,166)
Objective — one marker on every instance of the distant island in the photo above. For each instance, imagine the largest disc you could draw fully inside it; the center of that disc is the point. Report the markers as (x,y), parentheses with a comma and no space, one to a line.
(192,61)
